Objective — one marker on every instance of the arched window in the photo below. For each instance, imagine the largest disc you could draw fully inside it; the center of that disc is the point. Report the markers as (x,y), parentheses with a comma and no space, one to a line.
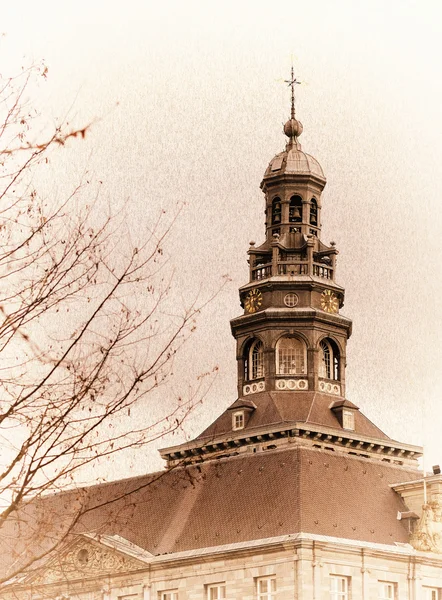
(295,209)
(290,357)
(276,211)
(329,365)
(254,360)
(314,212)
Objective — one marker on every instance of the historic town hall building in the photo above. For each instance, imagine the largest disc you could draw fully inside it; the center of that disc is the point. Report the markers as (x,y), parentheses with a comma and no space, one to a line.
(292,493)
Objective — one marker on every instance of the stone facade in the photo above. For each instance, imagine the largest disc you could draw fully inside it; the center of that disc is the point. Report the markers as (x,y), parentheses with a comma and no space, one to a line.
(303,568)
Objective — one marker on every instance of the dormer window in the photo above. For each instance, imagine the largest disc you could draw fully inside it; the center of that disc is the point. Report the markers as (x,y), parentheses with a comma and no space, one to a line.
(348,420)
(238,420)
(345,413)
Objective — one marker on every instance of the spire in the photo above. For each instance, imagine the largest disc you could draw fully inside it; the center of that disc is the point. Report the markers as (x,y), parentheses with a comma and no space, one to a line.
(293,127)
(292,82)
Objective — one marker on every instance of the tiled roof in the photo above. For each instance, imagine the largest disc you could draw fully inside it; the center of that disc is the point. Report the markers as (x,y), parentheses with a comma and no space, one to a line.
(260,495)
(286,407)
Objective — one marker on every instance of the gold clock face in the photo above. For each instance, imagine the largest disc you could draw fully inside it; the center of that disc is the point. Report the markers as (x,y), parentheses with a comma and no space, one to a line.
(329,301)
(253,301)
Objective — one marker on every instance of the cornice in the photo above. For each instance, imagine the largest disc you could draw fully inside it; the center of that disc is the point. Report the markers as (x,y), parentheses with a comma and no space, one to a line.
(285,281)
(296,542)
(279,179)
(348,441)
(270,315)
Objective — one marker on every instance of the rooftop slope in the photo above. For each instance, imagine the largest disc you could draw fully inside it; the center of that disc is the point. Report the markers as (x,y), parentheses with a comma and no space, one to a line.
(285,407)
(257,496)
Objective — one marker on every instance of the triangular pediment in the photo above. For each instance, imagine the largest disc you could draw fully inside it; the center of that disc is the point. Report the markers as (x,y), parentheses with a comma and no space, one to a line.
(90,556)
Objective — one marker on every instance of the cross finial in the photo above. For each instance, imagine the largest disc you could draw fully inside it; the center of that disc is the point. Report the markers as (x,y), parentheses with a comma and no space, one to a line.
(292,82)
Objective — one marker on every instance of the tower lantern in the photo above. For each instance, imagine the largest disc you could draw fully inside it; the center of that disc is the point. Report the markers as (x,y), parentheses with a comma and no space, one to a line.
(291,337)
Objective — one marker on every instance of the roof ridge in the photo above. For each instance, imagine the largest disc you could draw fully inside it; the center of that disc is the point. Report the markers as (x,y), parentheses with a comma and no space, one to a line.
(282,420)
(180,518)
(311,407)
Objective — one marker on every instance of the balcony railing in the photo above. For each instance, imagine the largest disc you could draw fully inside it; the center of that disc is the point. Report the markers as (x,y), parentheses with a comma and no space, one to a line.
(322,271)
(292,268)
(262,272)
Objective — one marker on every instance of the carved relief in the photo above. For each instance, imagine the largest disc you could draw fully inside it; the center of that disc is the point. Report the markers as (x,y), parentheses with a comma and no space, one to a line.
(252,388)
(428,534)
(87,560)
(292,384)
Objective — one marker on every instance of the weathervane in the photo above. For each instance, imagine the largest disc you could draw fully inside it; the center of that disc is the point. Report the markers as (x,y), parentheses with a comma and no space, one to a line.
(292,82)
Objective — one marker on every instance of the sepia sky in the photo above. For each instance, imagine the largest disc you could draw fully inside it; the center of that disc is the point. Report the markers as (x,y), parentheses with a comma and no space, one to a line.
(188,105)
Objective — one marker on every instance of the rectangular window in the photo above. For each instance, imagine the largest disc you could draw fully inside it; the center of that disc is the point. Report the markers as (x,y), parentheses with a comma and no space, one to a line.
(238,420)
(348,419)
(291,357)
(386,590)
(266,588)
(168,595)
(216,592)
(339,587)
(432,593)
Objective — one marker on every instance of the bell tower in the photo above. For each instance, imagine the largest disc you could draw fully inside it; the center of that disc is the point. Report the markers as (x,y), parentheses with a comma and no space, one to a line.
(292,337)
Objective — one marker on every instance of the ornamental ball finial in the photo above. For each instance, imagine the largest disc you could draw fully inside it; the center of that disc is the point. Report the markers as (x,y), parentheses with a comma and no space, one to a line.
(293,128)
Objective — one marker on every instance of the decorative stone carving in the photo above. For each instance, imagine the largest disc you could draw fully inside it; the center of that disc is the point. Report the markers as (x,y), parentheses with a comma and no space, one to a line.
(329,388)
(87,559)
(292,384)
(253,388)
(428,534)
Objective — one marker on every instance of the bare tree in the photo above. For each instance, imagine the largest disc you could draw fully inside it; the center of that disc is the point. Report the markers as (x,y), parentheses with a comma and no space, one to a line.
(84,332)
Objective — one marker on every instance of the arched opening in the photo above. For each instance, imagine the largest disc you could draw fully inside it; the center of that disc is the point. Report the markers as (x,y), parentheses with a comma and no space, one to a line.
(295,209)
(329,367)
(290,356)
(313,212)
(276,211)
(254,360)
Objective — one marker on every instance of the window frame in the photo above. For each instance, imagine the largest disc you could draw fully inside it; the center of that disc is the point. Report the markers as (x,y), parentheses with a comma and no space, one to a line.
(337,594)
(348,422)
(235,415)
(248,360)
(325,369)
(331,368)
(428,590)
(171,594)
(381,590)
(269,594)
(216,586)
(254,364)
(281,361)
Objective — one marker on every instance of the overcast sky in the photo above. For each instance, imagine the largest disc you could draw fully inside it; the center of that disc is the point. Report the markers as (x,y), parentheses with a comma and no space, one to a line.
(189,103)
